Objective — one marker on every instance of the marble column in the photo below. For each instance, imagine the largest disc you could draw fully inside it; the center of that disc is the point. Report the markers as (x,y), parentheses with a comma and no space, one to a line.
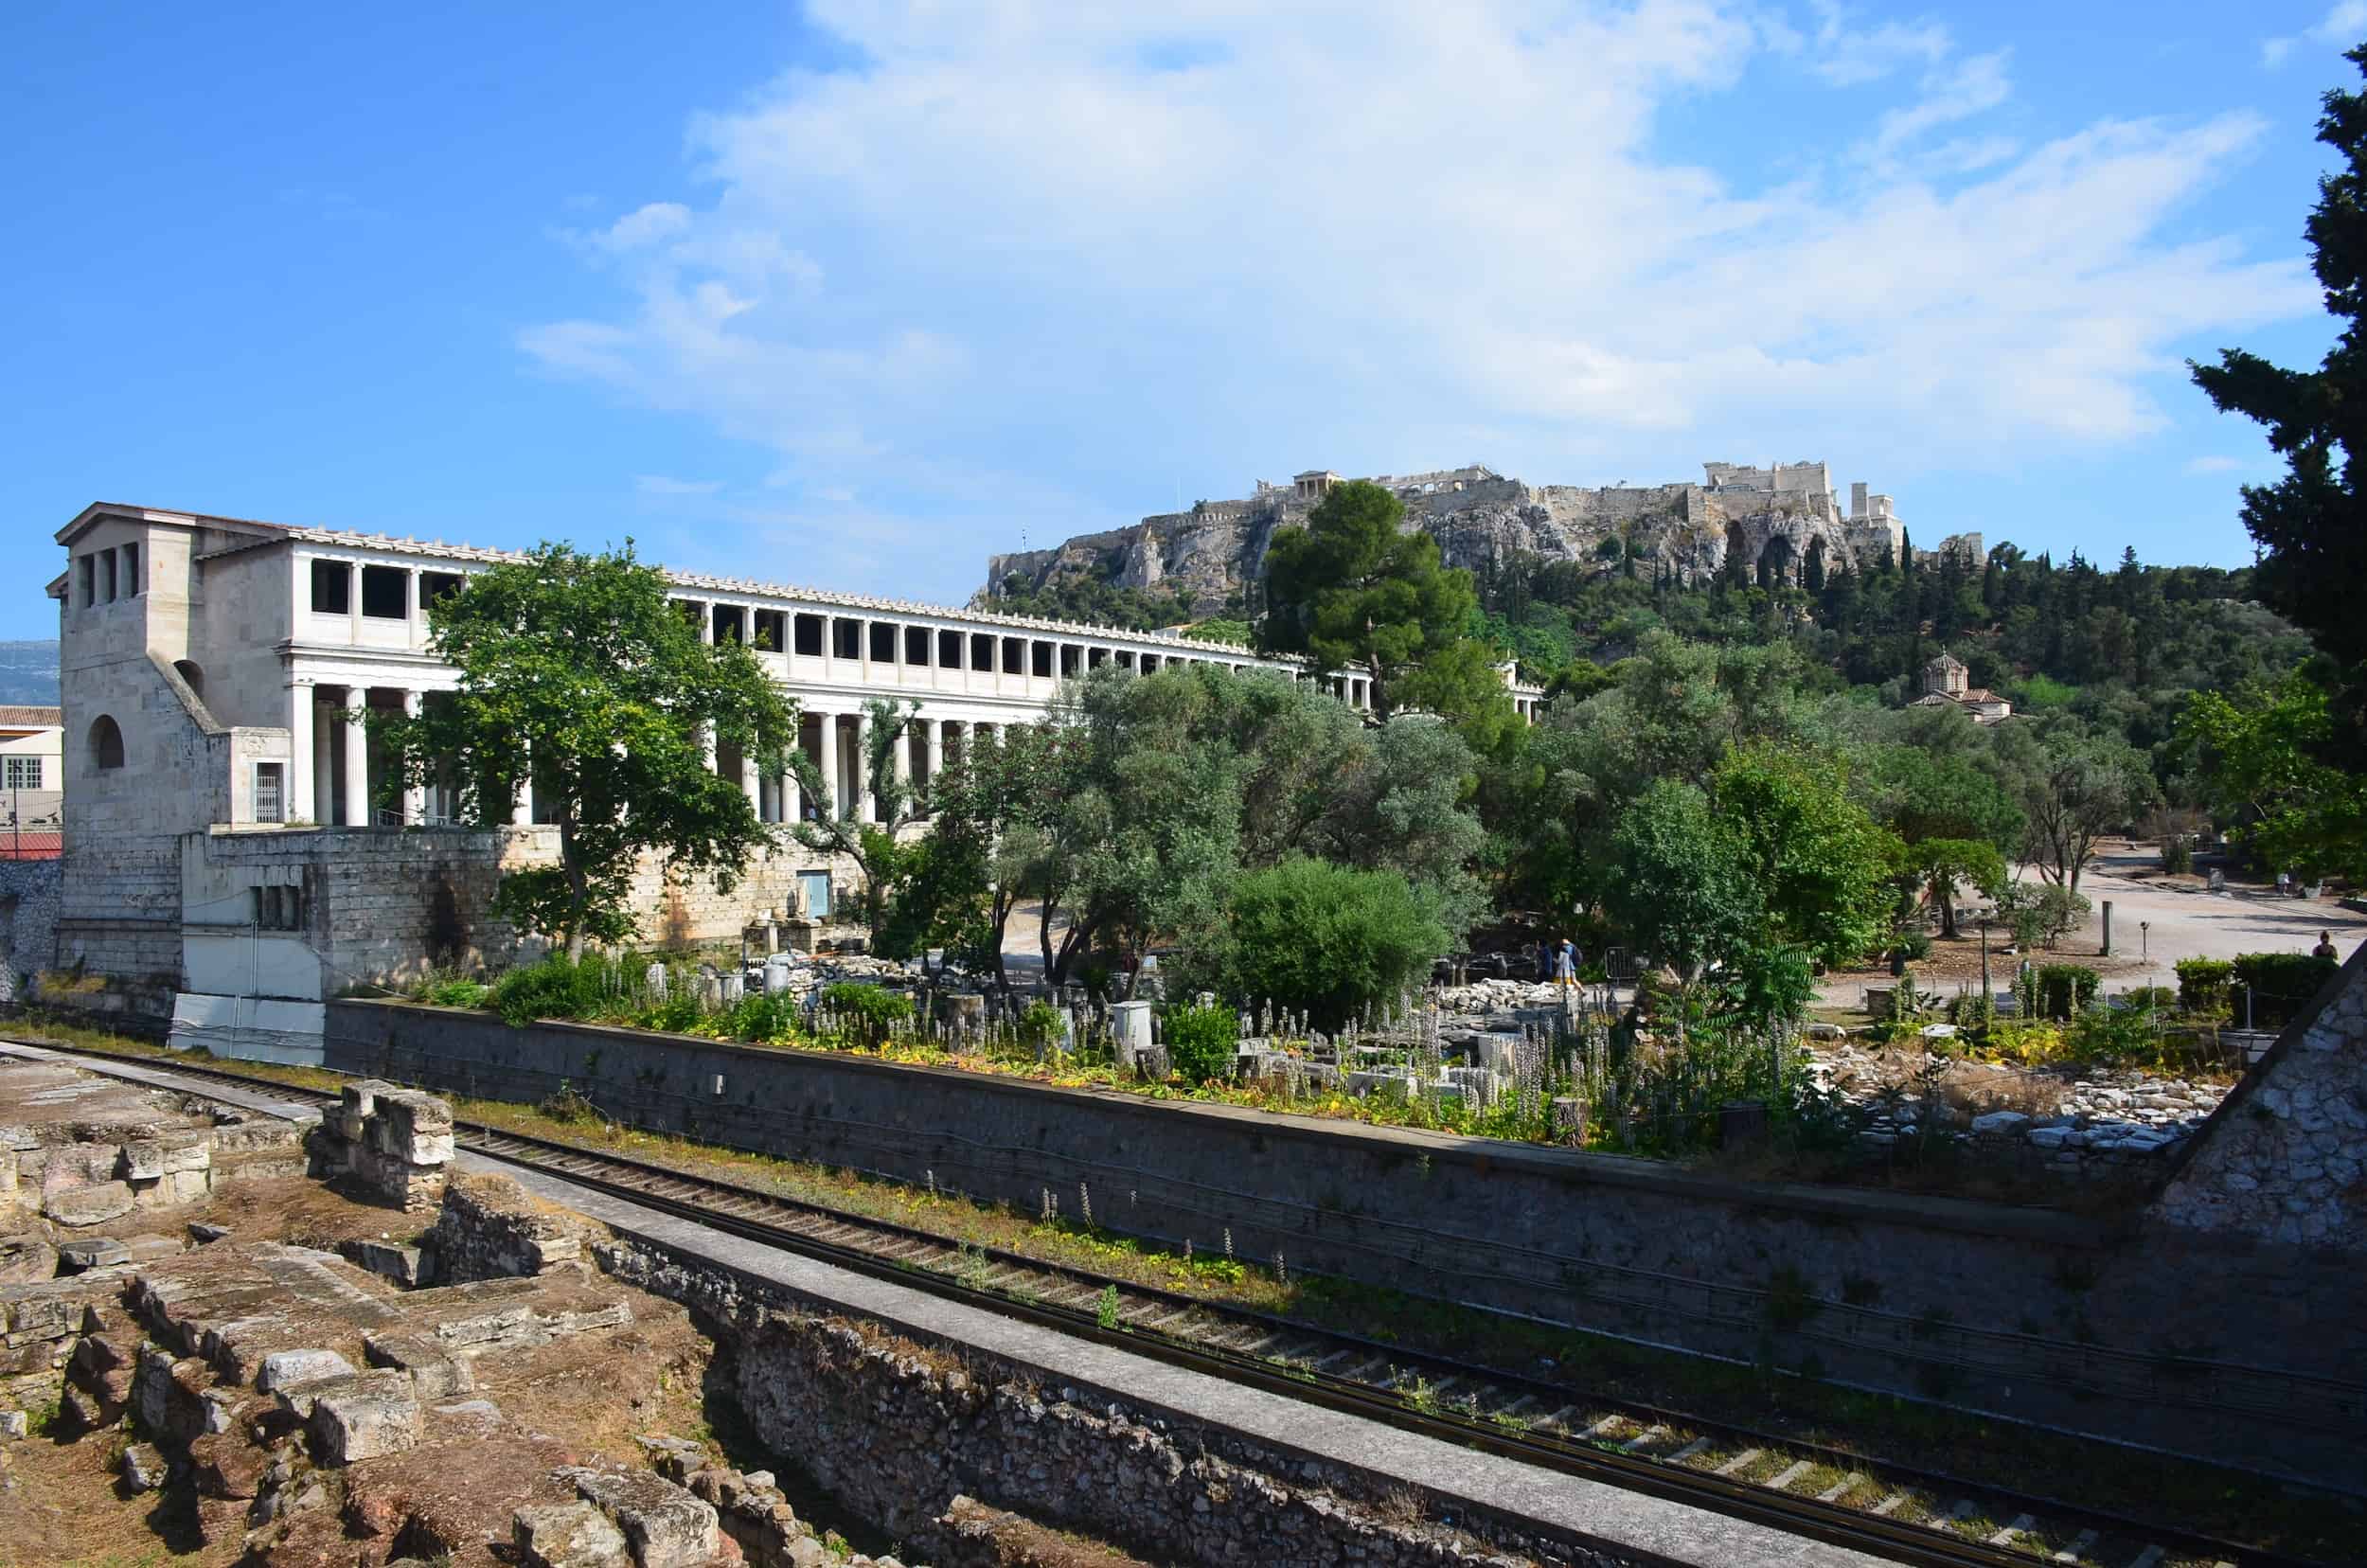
(413,796)
(835,805)
(936,742)
(300,801)
(322,808)
(522,809)
(357,758)
(868,807)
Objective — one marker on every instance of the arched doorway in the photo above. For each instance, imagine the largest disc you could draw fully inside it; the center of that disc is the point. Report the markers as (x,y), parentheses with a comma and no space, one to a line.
(192,675)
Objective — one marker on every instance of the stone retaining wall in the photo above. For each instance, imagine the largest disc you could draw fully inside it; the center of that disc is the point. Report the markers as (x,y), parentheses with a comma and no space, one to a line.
(898,1431)
(2205,1342)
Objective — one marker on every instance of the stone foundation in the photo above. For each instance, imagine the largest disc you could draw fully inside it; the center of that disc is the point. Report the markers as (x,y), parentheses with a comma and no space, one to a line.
(393,1143)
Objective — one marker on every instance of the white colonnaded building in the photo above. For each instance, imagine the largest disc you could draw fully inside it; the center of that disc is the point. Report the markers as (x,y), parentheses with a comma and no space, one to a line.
(226,855)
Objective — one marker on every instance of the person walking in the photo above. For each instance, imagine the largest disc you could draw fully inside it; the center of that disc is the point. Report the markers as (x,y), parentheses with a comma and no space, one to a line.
(2325,946)
(1566,963)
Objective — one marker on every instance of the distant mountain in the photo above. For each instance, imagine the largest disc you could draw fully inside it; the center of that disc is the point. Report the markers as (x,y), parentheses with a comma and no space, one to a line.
(29,672)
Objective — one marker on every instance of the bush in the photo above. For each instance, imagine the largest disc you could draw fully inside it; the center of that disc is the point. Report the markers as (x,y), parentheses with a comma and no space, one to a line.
(2178,856)
(1913,946)
(2065,990)
(2282,984)
(1201,1041)
(2151,999)
(1039,1023)
(2203,984)
(558,989)
(1331,939)
(760,1018)
(870,1011)
(455,993)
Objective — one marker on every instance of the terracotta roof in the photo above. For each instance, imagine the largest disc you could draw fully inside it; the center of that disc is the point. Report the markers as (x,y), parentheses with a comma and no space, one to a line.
(1982,694)
(31,844)
(18,715)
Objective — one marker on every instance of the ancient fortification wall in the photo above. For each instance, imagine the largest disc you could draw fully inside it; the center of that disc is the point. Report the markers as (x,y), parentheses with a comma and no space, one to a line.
(2158,1333)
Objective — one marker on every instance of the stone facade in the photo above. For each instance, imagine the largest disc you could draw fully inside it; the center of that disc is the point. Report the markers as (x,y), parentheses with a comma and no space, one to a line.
(1773,520)
(2285,1157)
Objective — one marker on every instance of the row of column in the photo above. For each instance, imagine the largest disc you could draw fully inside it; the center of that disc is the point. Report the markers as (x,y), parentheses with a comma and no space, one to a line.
(330,762)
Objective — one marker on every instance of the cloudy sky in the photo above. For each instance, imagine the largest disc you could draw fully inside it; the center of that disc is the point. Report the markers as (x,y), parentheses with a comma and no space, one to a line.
(854,295)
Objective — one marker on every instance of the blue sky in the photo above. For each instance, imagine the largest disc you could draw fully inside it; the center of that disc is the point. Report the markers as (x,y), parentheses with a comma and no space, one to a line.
(852,296)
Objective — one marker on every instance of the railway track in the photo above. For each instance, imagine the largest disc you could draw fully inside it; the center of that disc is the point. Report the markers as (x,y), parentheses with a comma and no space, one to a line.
(1830,1494)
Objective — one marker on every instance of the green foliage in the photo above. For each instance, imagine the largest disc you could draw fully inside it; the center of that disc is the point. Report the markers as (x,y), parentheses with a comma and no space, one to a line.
(1040,1024)
(2262,760)
(2311,524)
(1913,946)
(876,848)
(2282,983)
(1678,884)
(2203,984)
(1201,1041)
(559,986)
(1076,597)
(872,1011)
(456,994)
(1106,1308)
(1941,864)
(583,664)
(1330,939)
(2038,913)
(1819,865)
(1225,630)
(760,1018)
(2066,989)
(1352,592)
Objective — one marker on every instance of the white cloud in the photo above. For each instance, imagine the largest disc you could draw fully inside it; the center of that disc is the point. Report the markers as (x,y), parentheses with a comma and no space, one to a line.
(658,484)
(1025,240)
(2340,27)
(2213,465)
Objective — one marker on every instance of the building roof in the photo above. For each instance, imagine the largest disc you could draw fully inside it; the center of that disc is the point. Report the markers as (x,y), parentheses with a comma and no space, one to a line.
(1943,661)
(23,716)
(28,844)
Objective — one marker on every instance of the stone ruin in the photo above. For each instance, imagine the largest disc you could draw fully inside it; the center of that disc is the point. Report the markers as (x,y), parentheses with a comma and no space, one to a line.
(393,1143)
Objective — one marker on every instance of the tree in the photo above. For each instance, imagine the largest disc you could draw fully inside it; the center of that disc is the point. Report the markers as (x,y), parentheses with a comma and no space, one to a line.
(1677,884)
(1328,939)
(578,670)
(2311,525)
(2260,757)
(1819,866)
(2083,788)
(837,830)
(1939,865)
(1351,591)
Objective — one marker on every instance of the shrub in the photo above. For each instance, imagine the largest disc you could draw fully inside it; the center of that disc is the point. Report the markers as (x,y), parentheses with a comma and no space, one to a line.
(2203,984)
(1201,1041)
(2065,990)
(870,1011)
(1331,939)
(761,1018)
(1039,1023)
(2177,855)
(1915,946)
(2151,999)
(2282,983)
(558,989)
(455,993)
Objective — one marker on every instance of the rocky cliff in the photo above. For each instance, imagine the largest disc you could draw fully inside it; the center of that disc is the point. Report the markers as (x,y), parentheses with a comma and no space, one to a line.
(1774,519)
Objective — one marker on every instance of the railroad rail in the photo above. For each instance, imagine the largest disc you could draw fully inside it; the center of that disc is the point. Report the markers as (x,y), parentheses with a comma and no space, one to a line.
(1830,1494)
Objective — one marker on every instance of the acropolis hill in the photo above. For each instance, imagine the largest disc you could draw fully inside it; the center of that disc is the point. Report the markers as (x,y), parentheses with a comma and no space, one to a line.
(1774,518)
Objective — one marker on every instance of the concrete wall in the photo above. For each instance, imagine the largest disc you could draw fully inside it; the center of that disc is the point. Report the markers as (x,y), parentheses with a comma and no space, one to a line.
(2160,1335)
